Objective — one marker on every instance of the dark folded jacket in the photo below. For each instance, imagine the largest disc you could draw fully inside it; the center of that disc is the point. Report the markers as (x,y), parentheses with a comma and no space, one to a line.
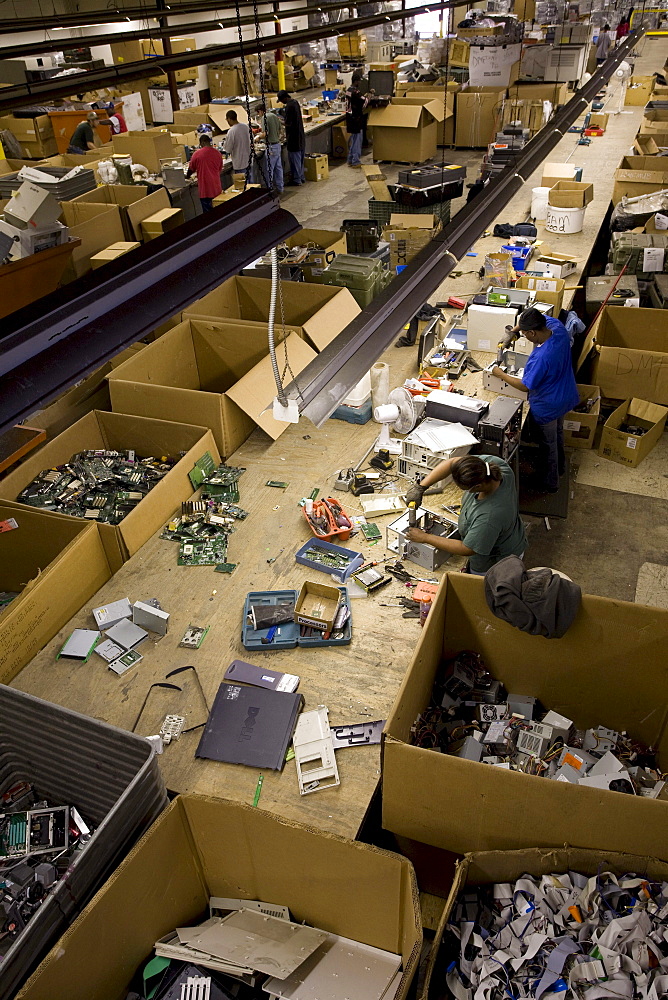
(538,601)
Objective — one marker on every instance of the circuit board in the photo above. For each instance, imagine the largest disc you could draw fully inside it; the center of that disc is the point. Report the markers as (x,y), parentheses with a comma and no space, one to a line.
(208,552)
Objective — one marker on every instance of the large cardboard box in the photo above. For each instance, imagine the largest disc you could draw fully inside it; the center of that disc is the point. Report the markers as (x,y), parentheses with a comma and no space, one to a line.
(145,148)
(407,129)
(630,354)
(320,312)
(218,373)
(92,393)
(630,449)
(461,805)
(56,564)
(445,135)
(488,867)
(202,847)
(580,428)
(570,194)
(124,52)
(638,175)
(134,201)
(97,226)
(117,430)
(316,166)
(547,289)
(555,93)
(477,108)
(408,234)
(639,91)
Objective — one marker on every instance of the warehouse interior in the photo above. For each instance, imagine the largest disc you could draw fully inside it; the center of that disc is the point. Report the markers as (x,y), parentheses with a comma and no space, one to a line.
(333,496)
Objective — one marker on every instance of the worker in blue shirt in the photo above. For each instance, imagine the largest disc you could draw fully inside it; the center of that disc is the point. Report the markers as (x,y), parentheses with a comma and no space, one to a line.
(550,383)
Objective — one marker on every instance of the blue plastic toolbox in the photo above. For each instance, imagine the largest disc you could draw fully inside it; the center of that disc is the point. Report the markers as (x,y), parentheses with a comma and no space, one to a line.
(287,634)
(356,559)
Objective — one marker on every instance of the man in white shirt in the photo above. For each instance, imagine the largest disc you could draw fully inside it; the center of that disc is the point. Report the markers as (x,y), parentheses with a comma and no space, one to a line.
(237,144)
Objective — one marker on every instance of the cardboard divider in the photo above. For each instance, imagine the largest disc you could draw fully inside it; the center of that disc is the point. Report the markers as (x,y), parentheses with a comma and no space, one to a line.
(56,563)
(217,373)
(460,805)
(489,867)
(630,354)
(320,311)
(120,431)
(201,847)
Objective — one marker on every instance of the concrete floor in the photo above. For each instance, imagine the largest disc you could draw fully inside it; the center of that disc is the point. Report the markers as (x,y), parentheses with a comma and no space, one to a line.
(608,535)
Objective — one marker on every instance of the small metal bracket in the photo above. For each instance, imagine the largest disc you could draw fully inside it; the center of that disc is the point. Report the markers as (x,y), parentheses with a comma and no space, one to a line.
(314,752)
(359,734)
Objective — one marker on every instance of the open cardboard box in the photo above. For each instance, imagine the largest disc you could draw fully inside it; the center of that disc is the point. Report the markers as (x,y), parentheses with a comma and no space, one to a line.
(407,129)
(631,449)
(639,91)
(547,289)
(580,428)
(201,847)
(445,135)
(97,226)
(319,311)
(316,605)
(555,172)
(489,867)
(630,354)
(119,431)
(570,194)
(56,563)
(644,145)
(654,122)
(144,147)
(460,805)
(218,373)
(134,202)
(555,265)
(637,175)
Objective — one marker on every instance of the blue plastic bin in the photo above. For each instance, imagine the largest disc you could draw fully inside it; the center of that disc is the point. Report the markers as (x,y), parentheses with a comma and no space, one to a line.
(356,559)
(520,256)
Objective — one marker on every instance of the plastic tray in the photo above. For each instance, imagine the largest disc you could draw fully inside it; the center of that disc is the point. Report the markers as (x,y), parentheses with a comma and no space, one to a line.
(356,559)
(289,631)
(113,779)
(61,190)
(347,631)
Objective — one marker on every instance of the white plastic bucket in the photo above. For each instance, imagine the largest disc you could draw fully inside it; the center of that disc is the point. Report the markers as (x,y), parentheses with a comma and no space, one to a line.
(539,203)
(564,220)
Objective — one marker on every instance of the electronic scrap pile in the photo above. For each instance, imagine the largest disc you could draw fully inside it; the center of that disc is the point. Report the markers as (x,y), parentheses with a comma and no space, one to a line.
(99,485)
(472,716)
(38,845)
(205,524)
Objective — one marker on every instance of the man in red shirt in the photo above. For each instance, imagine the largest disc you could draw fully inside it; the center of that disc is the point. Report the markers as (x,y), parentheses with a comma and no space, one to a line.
(207,163)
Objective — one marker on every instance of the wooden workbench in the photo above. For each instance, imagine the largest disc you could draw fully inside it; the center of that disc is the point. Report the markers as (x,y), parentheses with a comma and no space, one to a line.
(357,682)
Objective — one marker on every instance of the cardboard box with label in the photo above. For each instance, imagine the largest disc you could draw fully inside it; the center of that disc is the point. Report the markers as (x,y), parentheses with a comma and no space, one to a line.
(144,147)
(316,605)
(316,166)
(216,372)
(55,564)
(203,847)
(408,234)
(619,445)
(637,175)
(477,109)
(407,129)
(630,356)
(639,91)
(547,289)
(118,431)
(134,202)
(488,867)
(318,312)
(570,194)
(580,428)
(461,805)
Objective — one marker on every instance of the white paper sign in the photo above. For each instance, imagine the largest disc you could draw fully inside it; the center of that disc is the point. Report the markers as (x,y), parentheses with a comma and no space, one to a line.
(652,258)
(490,64)
(571,425)
(661,221)
(631,442)
(632,303)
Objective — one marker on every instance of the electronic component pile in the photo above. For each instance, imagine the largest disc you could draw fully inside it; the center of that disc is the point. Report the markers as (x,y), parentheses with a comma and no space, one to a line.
(38,845)
(205,524)
(251,950)
(103,486)
(472,716)
(565,936)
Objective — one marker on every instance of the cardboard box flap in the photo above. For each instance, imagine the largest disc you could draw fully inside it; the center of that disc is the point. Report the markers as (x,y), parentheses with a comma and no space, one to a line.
(412,221)
(396,117)
(217,115)
(176,367)
(144,208)
(255,391)
(331,319)
(640,409)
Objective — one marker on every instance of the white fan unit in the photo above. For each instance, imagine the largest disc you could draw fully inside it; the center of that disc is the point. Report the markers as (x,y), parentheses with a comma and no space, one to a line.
(623,75)
(401,414)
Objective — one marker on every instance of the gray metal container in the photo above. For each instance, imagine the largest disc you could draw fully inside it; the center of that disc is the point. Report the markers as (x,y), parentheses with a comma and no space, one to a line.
(113,779)
(61,190)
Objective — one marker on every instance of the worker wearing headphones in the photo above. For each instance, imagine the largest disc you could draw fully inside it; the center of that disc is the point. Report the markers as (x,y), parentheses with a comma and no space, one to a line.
(490,527)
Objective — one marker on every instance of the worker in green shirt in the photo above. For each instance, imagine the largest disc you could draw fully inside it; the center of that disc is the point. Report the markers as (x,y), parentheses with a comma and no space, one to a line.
(272,127)
(490,527)
(83,137)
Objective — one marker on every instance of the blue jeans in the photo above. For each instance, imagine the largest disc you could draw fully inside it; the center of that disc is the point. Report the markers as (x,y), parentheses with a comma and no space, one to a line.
(354,148)
(297,166)
(207,204)
(550,438)
(275,162)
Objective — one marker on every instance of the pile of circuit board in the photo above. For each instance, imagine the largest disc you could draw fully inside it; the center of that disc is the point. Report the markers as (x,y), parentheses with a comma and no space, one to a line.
(98,485)
(38,845)
(204,526)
